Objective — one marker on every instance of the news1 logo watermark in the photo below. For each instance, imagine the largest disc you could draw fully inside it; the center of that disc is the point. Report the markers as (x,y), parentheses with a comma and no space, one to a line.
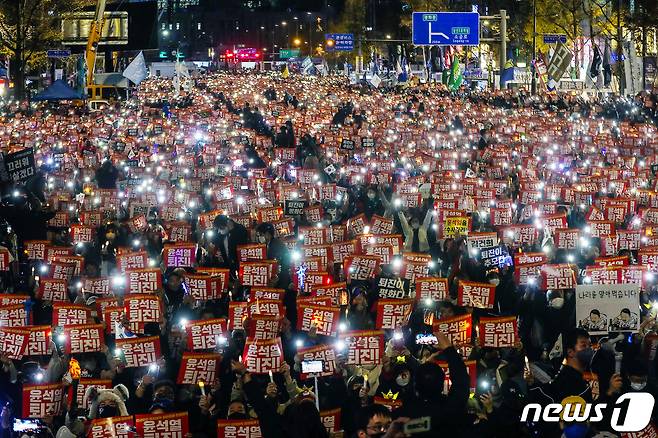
(630,413)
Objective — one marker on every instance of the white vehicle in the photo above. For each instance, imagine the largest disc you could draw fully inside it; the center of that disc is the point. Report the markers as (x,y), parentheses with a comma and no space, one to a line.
(98,104)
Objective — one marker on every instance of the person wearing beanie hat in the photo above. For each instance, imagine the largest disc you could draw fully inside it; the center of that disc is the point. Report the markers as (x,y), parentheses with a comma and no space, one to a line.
(105,403)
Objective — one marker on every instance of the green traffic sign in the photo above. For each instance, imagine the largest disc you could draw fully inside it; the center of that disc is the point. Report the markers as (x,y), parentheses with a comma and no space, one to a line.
(289,53)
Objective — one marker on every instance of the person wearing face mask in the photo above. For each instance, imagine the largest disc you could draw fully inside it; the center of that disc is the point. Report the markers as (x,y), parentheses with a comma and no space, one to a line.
(229,236)
(276,250)
(638,381)
(415,233)
(577,354)
(399,381)
(106,403)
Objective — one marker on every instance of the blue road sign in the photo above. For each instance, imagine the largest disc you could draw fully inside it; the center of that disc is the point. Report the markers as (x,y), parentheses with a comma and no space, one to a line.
(64,53)
(342,42)
(445,28)
(554,38)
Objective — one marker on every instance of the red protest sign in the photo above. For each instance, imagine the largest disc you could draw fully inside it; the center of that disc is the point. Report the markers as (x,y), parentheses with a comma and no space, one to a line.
(458,329)
(132,260)
(14,316)
(264,327)
(96,286)
(52,252)
(112,427)
(311,280)
(612,261)
(324,353)
(381,225)
(364,347)
(12,299)
(238,429)
(78,263)
(413,269)
(252,252)
(561,276)
(36,249)
(342,250)
(139,352)
(195,367)
(143,308)
(138,223)
(323,251)
(13,342)
(361,267)
(143,281)
(497,332)
(39,340)
(85,338)
(393,313)
(162,425)
(266,293)
(265,307)
(237,312)
(337,292)
(221,274)
(182,255)
(261,356)
(204,287)
(82,386)
(82,233)
(43,400)
(70,314)
(323,318)
(254,274)
(61,270)
(472,294)
(5,259)
(178,232)
(432,288)
(331,420)
(111,316)
(53,290)
(205,334)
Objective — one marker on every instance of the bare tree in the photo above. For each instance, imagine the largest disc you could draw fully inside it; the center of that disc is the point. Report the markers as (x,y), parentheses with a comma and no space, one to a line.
(28,28)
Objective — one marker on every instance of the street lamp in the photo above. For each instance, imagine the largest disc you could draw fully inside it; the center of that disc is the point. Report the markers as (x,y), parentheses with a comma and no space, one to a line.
(296,41)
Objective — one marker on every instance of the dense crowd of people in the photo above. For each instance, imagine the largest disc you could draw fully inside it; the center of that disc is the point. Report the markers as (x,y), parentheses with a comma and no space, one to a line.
(301,257)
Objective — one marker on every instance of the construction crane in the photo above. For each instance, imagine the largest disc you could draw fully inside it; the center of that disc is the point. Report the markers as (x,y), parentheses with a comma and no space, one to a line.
(95,33)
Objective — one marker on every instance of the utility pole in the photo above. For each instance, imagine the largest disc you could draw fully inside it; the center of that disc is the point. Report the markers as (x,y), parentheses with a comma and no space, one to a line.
(503,45)
(533,68)
(503,42)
